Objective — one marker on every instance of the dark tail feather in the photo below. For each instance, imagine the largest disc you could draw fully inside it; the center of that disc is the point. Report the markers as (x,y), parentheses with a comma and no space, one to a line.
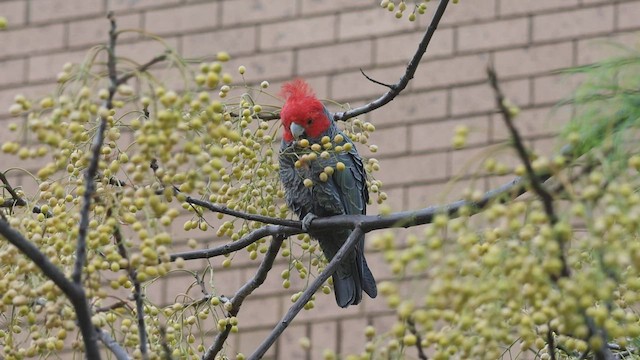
(352,276)
(368,283)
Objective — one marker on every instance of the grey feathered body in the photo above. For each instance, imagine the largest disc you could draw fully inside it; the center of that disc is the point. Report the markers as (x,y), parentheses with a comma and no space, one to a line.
(345,192)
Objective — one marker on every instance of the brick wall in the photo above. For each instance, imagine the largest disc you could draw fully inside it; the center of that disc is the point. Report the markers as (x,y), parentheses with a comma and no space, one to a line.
(327,41)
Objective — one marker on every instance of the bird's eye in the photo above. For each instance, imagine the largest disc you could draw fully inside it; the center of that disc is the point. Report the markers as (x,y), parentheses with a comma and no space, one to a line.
(309,121)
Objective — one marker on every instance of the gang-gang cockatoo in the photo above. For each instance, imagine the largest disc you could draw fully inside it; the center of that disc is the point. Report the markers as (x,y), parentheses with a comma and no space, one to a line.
(323,175)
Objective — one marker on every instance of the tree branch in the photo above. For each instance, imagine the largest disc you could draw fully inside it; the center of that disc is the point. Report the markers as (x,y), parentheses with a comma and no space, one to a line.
(137,290)
(395,89)
(346,248)
(17,200)
(142,68)
(92,170)
(238,244)
(414,331)
(239,214)
(244,291)
(111,344)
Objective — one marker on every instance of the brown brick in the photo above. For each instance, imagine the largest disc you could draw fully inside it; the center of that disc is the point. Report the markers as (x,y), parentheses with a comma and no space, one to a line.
(324,304)
(493,35)
(302,32)
(456,70)
(548,146)
(96,31)
(236,41)
(13,71)
(523,7)
(390,142)
(598,49)
(47,10)
(466,12)
(33,39)
(15,12)
(401,48)
(438,135)
(256,11)
(46,67)
(359,87)
(259,312)
(329,58)
(248,340)
(412,107)
(551,89)
(185,18)
(352,337)
(415,168)
(472,99)
(366,23)
(265,66)
(121,5)
(324,6)
(533,60)
(324,336)
(627,14)
(575,23)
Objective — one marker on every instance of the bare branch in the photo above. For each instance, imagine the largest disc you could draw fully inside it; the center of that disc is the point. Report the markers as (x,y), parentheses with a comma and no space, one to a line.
(92,170)
(142,68)
(239,214)
(111,344)
(137,290)
(238,244)
(17,200)
(375,81)
(395,89)
(346,248)
(74,292)
(414,331)
(244,291)
(537,186)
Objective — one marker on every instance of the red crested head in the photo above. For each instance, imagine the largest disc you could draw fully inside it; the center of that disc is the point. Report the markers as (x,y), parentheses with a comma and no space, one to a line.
(303,108)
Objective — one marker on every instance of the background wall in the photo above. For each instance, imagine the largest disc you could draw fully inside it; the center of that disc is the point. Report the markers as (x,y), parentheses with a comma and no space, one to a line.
(327,42)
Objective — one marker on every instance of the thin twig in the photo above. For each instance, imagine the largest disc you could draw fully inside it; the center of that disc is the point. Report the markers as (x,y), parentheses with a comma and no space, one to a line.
(142,68)
(165,344)
(346,248)
(551,347)
(17,200)
(239,214)
(374,80)
(538,188)
(92,170)
(395,89)
(137,289)
(244,291)
(239,244)
(110,343)
(414,331)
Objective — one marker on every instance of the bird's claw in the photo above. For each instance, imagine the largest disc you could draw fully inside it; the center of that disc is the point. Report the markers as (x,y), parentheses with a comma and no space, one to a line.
(306,221)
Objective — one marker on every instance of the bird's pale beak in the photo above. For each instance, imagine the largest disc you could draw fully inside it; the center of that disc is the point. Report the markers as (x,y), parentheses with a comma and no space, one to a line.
(296,130)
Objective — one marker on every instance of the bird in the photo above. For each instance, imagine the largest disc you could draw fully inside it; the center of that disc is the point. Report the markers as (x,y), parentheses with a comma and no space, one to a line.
(323,175)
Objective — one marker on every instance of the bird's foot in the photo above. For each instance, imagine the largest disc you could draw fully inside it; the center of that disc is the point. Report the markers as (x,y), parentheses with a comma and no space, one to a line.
(306,221)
